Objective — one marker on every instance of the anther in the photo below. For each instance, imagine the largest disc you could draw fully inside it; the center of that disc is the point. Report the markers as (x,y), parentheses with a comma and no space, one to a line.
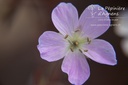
(71,49)
(76,30)
(66,37)
(80,50)
(85,50)
(88,40)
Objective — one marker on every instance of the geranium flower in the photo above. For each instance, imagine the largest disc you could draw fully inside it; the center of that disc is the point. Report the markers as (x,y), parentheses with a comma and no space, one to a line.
(76,41)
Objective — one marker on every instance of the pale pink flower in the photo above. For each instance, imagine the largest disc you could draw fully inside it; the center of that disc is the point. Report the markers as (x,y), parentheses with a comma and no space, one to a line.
(76,40)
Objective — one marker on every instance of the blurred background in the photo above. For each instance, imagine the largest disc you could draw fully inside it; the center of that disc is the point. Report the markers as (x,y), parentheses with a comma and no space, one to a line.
(21,24)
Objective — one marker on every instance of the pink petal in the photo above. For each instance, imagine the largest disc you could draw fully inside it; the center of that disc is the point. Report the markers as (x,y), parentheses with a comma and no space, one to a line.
(65,18)
(92,23)
(101,51)
(77,68)
(52,46)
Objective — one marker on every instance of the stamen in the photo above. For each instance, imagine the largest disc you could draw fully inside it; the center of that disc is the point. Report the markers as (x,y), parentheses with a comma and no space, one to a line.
(71,49)
(66,37)
(85,50)
(80,50)
(70,42)
(88,40)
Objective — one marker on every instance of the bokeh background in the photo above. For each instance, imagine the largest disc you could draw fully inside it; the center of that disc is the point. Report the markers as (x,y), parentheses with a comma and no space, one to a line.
(23,21)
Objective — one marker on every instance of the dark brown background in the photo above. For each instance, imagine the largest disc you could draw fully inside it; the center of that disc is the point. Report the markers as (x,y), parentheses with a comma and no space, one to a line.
(23,21)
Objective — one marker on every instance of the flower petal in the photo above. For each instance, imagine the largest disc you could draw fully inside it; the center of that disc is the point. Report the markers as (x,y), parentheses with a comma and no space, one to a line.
(65,18)
(77,68)
(52,46)
(94,21)
(101,51)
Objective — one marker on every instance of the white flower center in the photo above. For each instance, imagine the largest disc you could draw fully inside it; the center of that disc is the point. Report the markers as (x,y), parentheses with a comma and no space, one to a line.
(76,41)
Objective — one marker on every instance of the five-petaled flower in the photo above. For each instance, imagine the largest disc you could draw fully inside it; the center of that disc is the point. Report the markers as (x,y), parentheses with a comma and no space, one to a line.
(77,41)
